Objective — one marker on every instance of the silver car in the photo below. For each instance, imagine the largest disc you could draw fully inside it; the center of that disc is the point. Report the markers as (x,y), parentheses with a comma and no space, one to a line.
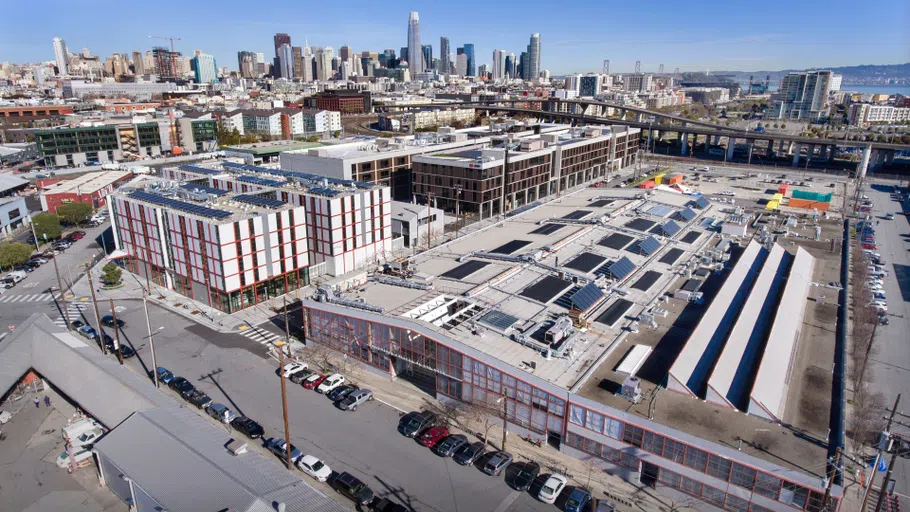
(356,398)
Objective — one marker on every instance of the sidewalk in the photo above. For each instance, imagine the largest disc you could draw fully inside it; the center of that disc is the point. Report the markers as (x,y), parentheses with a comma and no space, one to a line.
(405,397)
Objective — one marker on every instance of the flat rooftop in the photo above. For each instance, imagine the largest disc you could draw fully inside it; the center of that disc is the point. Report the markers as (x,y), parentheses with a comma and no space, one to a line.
(275,146)
(88,183)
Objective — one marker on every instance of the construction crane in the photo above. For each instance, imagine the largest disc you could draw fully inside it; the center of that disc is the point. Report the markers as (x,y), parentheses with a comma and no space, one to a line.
(173,128)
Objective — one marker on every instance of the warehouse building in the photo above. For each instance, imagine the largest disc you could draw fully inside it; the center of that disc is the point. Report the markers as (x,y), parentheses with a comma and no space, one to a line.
(92,188)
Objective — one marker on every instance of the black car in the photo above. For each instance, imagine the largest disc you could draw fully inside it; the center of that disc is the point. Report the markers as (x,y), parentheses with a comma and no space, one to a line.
(108,321)
(353,488)
(125,350)
(450,445)
(300,376)
(413,423)
(386,505)
(249,427)
(525,476)
(341,392)
(467,454)
(76,324)
(180,384)
(198,398)
(189,393)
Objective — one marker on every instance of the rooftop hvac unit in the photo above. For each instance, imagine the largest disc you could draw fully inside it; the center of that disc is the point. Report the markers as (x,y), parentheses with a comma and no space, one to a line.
(559,330)
(631,389)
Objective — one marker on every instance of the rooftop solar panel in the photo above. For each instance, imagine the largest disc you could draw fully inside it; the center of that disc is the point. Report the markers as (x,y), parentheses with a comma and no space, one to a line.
(510,247)
(200,170)
(615,312)
(587,297)
(622,268)
(691,236)
(545,289)
(330,192)
(203,188)
(671,256)
(616,241)
(577,214)
(183,206)
(601,203)
(267,202)
(465,269)
(686,215)
(498,320)
(648,246)
(701,203)
(640,224)
(646,281)
(260,181)
(660,210)
(547,229)
(670,228)
(586,262)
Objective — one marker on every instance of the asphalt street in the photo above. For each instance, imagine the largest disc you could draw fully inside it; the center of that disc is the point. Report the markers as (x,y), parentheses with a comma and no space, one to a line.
(236,371)
(891,365)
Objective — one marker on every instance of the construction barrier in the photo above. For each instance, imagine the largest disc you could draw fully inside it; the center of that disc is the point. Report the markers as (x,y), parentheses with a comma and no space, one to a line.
(676,179)
(772,205)
(813,196)
(647,184)
(782,189)
(809,204)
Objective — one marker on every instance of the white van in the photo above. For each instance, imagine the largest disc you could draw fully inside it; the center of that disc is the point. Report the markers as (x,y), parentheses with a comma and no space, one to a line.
(15,276)
(82,432)
(79,455)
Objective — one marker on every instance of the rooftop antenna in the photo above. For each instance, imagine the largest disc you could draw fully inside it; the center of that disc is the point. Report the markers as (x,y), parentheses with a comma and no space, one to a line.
(638,66)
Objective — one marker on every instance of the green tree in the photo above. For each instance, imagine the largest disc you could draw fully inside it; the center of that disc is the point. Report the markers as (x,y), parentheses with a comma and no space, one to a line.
(47,224)
(74,213)
(783,125)
(111,274)
(14,253)
(313,138)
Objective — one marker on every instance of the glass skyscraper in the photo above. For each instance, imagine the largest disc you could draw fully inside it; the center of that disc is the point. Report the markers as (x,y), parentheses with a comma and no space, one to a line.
(469,53)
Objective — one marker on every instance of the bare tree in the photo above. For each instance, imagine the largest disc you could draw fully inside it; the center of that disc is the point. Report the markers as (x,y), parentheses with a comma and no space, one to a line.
(449,412)
(484,415)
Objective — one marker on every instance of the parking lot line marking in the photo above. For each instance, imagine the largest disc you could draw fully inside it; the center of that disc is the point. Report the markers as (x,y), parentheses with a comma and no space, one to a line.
(506,503)
(399,409)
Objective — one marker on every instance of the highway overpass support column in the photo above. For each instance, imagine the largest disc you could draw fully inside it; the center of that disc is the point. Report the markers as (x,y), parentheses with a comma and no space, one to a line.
(684,143)
(889,156)
(638,117)
(780,147)
(796,149)
(832,150)
(731,145)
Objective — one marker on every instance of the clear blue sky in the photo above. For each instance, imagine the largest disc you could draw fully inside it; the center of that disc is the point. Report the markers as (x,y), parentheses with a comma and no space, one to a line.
(576,35)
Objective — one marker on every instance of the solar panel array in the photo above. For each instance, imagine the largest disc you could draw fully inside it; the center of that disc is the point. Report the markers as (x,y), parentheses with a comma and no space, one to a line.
(203,188)
(668,229)
(601,202)
(260,181)
(577,214)
(267,202)
(701,203)
(616,241)
(686,215)
(546,289)
(200,170)
(587,297)
(690,237)
(648,246)
(671,256)
(465,269)
(615,312)
(510,247)
(586,261)
(306,177)
(547,229)
(622,268)
(183,206)
(498,320)
(660,210)
(646,281)
(640,224)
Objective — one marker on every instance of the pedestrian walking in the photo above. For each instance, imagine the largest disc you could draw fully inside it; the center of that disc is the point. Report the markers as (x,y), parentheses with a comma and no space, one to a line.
(37,403)
(47,401)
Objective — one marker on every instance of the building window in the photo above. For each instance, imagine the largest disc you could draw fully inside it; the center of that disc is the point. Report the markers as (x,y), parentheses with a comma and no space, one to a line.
(742,476)
(719,467)
(633,435)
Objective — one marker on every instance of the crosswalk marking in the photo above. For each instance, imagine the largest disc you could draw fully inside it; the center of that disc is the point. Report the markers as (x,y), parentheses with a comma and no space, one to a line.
(27,297)
(73,311)
(259,335)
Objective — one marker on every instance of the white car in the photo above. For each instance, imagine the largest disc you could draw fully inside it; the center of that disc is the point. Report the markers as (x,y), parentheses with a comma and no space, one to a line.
(331,382)
(292,368)
(551,488)
(314,467)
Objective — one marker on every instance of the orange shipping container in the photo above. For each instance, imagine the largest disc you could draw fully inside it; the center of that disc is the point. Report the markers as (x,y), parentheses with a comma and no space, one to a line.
(782,189)
(647,184)
(676,179)
(809,204)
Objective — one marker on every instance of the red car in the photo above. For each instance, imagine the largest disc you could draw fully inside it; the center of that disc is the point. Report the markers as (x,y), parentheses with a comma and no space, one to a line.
(77,235)
(433,436)
(871,247)
(314,380)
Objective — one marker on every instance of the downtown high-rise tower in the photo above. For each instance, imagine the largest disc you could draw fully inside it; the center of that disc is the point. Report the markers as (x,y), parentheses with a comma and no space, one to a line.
(415,49)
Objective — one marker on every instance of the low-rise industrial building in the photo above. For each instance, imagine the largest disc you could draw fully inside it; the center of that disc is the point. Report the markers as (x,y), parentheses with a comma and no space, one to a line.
(418,226)
(426,119)
(91,188)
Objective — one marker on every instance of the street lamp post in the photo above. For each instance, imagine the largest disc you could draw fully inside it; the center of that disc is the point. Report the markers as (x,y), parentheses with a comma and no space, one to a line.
(505,431)
(284,402)
(458,189)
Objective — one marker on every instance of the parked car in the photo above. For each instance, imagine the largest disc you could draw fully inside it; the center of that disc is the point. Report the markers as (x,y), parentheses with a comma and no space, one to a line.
(497,463)
(221,413)
(41,260)
(313,380)
(125,350)
(348,485)
(329,383)
(24,268)
(354,399)
(412,423)
(198,398)
(278,446)
(298,377)
(164,375)
(341,392)
(525,476)
(551,488)
(314,467)
(292,368)
(16,276)
(76,235)
(467,454)
(76,324)
(108,321)
(450,445)
(386,505)
(88,332)
(249,427)
(578,500)
(180,384)
(432,436)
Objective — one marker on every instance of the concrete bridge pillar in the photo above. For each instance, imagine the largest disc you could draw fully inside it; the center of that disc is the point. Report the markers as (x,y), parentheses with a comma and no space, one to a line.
(781,147)
(638,117)
(731,145)
(622,113)
(889,156)
(684,143)
(832,150)
(796,149)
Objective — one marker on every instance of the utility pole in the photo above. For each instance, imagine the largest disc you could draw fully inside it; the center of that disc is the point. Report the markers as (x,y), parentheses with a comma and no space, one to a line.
(881,491)
(116,334)
(429,224)
(66,314)
(91,287)
(458,189)
(284,391)
(148,325)
(831,475)
(505,432)
(878,456)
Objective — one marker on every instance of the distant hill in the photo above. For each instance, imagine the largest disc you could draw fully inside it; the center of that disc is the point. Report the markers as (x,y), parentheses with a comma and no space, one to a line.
(857,75)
